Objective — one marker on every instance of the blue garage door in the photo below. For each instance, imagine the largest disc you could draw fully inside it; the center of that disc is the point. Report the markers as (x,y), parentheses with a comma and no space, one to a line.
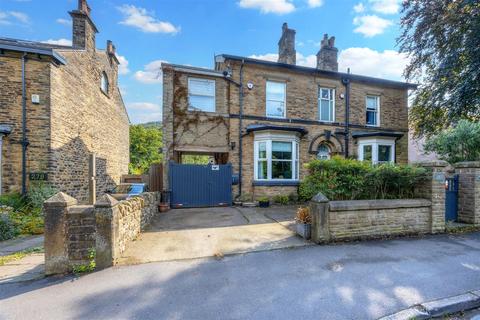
(195,185)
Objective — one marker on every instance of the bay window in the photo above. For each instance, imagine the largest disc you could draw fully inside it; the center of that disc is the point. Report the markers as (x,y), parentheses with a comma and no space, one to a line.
(376,150)
(276,157)
(275,99)
(326,104)
(201,95)
(373,111)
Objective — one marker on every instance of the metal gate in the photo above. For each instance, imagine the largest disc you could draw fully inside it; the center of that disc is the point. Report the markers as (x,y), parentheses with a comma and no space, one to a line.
(451,198)
(195,185)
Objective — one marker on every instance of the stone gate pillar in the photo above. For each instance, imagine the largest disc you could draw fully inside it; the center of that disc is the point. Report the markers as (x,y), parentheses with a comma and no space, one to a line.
(468,191)
(106,217)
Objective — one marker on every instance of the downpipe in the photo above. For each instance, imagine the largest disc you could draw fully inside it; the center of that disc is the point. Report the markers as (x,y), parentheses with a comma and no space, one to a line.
(346,83)
(24,142)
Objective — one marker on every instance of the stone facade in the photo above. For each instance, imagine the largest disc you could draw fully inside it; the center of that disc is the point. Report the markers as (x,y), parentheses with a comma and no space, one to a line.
(72,231)
(468,192)
(74,116)
(302,94)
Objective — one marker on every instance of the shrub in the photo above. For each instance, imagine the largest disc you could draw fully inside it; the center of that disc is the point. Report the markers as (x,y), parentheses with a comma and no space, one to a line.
(13,200)
(281,199)
(38,193)
(263,199)
(7,227)
(293,198)
(348,179)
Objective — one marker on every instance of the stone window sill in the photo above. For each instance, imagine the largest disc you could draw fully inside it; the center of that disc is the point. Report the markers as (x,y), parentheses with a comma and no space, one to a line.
(272,183)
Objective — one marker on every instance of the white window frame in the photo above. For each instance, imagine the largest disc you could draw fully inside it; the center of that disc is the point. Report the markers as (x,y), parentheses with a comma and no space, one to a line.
(377,118)
(276,137)
(331,100)
(375,143)
(283,116)
(214,96)
(104,83)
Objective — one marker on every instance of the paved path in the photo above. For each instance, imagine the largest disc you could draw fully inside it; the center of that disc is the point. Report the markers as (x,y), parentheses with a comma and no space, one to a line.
(350,281)
(206,232)
(20,244)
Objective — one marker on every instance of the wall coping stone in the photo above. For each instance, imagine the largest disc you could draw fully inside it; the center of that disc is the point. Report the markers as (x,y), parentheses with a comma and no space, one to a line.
(81,209)
(352,205)
(320,198)
(106,201)
(467,164)
(60,200)
(438,163)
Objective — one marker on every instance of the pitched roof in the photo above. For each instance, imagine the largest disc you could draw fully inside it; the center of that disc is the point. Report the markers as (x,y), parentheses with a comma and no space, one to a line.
(34,47)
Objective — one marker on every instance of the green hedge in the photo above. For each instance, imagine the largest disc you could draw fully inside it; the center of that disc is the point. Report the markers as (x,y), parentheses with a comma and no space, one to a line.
(348,179)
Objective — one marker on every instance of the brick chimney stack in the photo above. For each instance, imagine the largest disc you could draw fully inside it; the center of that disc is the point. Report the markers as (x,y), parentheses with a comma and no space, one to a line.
(84,29)
(328,54)
(286,46)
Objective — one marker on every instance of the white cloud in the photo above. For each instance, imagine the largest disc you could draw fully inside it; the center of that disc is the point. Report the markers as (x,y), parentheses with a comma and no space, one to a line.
(65,22)
(9,17)
(145,21)
(388,64)
(151,74)
(141,112)
(370,25)
(60,42)
(144,106)
(359,8)
(315,3)
(268,6)
(385,6)
(123,67)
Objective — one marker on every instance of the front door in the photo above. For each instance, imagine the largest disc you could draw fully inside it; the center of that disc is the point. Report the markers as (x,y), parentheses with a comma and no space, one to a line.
(451,198)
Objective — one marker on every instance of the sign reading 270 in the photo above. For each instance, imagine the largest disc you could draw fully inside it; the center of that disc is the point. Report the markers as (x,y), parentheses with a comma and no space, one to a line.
(38,176)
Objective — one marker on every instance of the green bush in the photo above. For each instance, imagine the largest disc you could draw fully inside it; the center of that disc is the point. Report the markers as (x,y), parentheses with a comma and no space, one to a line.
(7,227)
(38,193)
(281,199)
(13,200)
(348,179)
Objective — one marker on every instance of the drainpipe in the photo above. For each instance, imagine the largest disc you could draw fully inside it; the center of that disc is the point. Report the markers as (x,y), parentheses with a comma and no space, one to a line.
(1,165)
(24,127)
(346,83)
(240,135)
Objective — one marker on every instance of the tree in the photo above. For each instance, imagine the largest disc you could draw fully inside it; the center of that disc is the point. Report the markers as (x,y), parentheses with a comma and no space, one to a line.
(145,144)
(441,38)
(461,143)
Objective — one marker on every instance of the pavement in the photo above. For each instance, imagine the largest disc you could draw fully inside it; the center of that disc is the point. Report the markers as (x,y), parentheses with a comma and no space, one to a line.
(361,280)
(19,244)
(205,232)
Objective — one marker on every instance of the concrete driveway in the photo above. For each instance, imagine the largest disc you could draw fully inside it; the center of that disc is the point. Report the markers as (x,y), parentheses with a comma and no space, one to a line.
(206,232)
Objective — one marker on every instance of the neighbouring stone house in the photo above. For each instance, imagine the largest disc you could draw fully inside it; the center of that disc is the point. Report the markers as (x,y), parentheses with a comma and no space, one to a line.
(270,118)
(59,104)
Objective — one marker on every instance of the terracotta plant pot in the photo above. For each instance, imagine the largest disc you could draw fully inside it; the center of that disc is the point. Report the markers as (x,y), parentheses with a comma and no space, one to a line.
(163,207)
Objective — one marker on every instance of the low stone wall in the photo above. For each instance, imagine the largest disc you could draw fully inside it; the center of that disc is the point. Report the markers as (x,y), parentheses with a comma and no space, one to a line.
(72,231)
(468,191)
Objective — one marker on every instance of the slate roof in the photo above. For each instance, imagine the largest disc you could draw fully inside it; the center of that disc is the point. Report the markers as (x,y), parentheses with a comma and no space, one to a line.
(34,47)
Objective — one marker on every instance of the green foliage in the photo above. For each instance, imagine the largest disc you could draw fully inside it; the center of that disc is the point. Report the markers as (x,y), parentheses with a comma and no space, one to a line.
(13,200)
(90,266)
(281,199)
(38,193)
(263,199)
(195,159)
(442,40)
(460,143)
(7,227)
(347,179)
(19,255)
(145,144)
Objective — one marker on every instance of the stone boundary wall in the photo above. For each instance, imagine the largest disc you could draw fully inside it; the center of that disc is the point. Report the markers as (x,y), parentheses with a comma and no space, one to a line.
(468,191)
(359,219)
(72,231)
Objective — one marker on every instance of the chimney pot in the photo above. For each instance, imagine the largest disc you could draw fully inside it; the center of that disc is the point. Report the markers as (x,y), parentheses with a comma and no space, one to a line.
(286,46)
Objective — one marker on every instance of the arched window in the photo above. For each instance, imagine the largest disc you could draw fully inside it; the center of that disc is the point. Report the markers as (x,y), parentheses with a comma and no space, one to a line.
(104,83)
(323,152)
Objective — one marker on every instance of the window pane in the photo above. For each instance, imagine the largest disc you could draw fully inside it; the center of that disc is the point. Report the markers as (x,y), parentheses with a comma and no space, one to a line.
(372,102)
(325,113)
(281,150)
(262,150)
(367,153)
(371,118)
(384,153)
(325,94)
(281,170)
(202,103)
(323,152)
(275,91)
(275,109)
(201,87)
(262,170)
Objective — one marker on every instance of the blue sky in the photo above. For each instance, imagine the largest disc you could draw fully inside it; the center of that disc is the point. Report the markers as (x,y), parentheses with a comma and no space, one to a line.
(191,32)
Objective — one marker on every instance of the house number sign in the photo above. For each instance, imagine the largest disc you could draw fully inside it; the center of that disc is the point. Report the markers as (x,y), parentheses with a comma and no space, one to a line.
(38,176)
(215,167)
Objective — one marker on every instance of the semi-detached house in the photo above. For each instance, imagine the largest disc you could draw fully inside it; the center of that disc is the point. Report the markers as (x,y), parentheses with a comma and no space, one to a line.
(270,118)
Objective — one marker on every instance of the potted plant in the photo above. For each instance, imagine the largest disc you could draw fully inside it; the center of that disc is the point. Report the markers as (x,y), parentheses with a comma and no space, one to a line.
(163,207)
(263,202)
(303,221)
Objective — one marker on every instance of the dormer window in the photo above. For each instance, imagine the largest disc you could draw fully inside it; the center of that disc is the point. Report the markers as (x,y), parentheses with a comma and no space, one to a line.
(104,83)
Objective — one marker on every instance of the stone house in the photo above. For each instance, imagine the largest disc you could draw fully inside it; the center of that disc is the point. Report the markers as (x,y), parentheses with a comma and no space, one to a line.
(59,104)
(270,118)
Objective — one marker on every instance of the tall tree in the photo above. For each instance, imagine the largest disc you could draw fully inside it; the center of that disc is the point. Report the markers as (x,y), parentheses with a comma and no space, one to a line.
(442,39)
(145,144)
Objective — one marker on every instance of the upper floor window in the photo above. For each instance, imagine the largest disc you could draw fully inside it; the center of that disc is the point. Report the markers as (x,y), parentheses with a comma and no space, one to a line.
(104,83)
(373,110)
(276,94)
(201,95)
(326,104)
